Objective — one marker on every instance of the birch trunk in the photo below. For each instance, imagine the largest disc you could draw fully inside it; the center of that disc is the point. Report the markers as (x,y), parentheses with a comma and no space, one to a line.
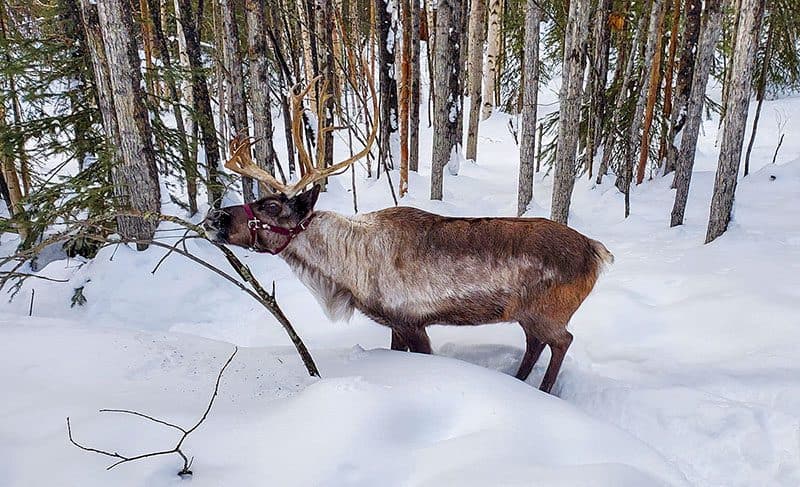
(477,37)
(493,38)
(136,177)
(569,113)
(712,22)
(387,81)
(447,107)
(530,90)
(730,153)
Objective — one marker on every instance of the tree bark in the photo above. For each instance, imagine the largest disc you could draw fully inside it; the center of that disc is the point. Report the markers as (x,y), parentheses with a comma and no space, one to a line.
(493,38)
(387,81)
(712,21)
(202,103)
(235,80)
(413,132)
(760,93)
(598,73)
(324,18)
(669,71)
(683,82)
(477,37)
(569,112)
(405,92)
(447,106)
(632,147)
(261,108)
(530,90)
(653,86)
(189,162)
(136,177)
(730,153)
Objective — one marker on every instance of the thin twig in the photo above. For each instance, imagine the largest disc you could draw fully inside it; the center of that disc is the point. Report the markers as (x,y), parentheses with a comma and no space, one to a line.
(187,463)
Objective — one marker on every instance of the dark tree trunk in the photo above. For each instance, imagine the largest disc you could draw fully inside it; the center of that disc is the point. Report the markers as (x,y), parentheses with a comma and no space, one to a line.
(683,82)
(235,80)
(760,93)
(413,131)
(712,20)
(202,103)
(189,163)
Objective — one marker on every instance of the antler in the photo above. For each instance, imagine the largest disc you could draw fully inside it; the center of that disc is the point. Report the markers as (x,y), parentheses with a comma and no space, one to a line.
(242,163)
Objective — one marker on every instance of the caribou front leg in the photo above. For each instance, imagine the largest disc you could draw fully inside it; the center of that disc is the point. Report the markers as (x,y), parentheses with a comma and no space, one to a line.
(398,342)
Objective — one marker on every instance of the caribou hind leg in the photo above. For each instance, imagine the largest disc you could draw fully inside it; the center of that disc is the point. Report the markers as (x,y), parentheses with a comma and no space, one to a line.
(533,349)
(558,349)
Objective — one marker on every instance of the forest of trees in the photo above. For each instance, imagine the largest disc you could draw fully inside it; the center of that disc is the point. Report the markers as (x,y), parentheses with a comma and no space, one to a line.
(106,105)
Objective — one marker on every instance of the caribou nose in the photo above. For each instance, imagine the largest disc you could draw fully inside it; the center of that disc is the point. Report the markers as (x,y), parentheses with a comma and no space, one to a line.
(216,225)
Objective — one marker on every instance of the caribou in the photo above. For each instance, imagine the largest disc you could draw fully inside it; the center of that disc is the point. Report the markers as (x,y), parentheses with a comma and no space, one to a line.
(408,269)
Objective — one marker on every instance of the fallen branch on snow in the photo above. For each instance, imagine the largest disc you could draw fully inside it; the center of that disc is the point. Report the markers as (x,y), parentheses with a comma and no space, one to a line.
(187,462)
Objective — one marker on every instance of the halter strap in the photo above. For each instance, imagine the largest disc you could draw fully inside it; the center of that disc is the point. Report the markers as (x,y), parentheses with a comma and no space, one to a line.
(254,224)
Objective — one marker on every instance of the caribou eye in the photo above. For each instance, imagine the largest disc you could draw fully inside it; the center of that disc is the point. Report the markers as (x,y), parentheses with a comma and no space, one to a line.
(271,208)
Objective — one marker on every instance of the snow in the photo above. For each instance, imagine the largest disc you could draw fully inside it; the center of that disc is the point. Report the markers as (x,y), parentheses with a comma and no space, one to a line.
(684,369)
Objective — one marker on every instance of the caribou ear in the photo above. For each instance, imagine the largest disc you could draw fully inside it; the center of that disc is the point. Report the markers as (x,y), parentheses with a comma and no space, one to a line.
(303,203)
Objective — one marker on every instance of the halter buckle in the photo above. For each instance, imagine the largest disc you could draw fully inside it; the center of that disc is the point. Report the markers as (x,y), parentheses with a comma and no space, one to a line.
(254,224)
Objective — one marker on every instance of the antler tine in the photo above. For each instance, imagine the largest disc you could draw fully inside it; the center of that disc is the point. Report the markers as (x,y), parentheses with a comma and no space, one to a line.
(241,163)
(297,125)
(370,140)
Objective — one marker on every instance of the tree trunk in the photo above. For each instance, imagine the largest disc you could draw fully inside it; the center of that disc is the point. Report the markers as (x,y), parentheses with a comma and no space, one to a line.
(136,177)
(258,58)
(683,83)
(632,147)
(235,79)
(598,71)
(477,36)
(530,90)
(202,103)
(735,117)
(493,37)
(387,80)
(652,95)
(189,162)
(669,70)
(324,18)
(569,112)
(447,107)
(405,92)
(413,131)
(760,93)
(712,21)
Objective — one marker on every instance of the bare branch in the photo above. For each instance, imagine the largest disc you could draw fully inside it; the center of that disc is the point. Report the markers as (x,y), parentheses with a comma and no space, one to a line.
(187,463)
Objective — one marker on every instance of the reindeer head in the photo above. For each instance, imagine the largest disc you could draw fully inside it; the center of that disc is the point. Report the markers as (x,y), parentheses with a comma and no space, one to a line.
(270,224)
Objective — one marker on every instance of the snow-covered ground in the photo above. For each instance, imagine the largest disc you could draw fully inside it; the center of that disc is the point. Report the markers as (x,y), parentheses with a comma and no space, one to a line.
(684,368)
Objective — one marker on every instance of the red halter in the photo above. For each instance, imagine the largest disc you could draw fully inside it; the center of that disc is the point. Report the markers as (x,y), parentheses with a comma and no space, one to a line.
(254,224)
